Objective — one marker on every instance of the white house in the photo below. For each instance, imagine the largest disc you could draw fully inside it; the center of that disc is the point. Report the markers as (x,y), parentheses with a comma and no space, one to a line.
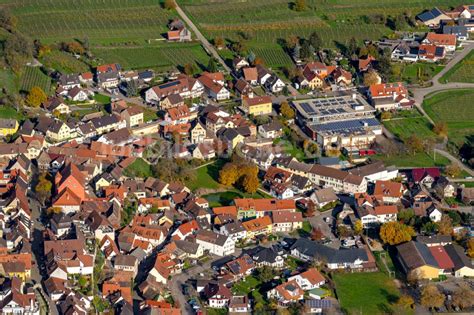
(309,279)
(216,244)
(235,230)
(435,215)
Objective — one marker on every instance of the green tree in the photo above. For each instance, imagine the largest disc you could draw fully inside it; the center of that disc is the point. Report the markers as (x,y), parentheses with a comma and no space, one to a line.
(300,5)
(43,188)
(441,128)
(315,41)
(250,183)
(453,170)
(370,78)
(431,297)
(406,216)
(358,227)
(132,88)
(445,225)
(414,144)
(169,4)
(352,47)
(190,69)
(429,227)
(286,110)
(265,274)
(394,233)
(7,20)
(36,97)
(212,65)
(228,175)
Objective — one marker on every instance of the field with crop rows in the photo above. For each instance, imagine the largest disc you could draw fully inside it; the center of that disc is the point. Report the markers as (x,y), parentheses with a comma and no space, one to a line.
(268,22)
(32,76)
(101,21)
(159,57)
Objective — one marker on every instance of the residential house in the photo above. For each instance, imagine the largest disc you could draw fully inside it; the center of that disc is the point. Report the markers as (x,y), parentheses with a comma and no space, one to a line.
(179,115)
(243,89)
(287,293)
(127,263)
(185,86)
(272,130)
(378,214)
(258,226)
(170,101)
(447,41)
(17,299)
(323,197)
(256,208)
(431,53)
(239,304)
(77,94)
(8,127)
(216,244)
(433,17)
(260,105)
(389,96)
(463,266)
(60,131)
(213,87)
(204,151)
(284,221)
(251,76)
(217,295)
(390,192)
(274,84)
(57,104)
(267,256)
(69,81)
(309,279)
(107,80)
(239,63)
(178,32)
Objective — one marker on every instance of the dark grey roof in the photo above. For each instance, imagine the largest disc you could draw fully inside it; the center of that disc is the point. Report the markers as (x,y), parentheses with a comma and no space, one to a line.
(125,260)
(273,126)
(186,246)
(331,255)
(458,257)
(318,303)
(268,255)
(346,125)
(416,254)
(104,121)
(434,239)
(455,30)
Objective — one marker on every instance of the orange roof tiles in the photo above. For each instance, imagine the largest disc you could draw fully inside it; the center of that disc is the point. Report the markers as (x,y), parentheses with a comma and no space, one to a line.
(257,224)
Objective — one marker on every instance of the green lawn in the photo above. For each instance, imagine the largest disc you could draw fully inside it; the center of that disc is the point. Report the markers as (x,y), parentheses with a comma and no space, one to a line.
(10,112)
(225,198)
(139,168)
(9,81)
(468,184)
(405,127)
(102,99)
(365,293)
(245,286)
(456,108)
(413,72)
(461,72)
(207,176)
(421,159)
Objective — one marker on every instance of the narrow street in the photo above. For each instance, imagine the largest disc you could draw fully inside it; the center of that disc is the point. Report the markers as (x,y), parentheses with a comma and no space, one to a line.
(209,48)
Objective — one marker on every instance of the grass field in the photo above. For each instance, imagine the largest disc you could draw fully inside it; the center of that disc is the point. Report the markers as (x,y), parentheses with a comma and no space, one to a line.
(456,108)
(9,80)
(366,293)
(225,198)
(64,62)
(206,176)
(102,21)
(405,127)
(413,72)
(461,72)
(10,112)
(158,57)
(139,168)
(422,159)
(270,21)
(32,76)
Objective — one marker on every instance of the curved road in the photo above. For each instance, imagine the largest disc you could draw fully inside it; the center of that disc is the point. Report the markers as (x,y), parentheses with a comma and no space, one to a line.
(419,95)
(210,48)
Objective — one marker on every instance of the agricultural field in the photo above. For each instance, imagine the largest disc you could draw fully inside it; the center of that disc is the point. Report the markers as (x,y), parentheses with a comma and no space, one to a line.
(102,22)
(9,81)
(32,76)
(271,21)
(416,72)
(461,72)
(456,108)
(158,57)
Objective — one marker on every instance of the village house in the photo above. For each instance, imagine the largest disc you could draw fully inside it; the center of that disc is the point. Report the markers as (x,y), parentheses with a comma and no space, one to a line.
(8,127)
(258,226)
(178,31)
(447,41)
(170,101)
(389,96)
(185,86)
(260,105)
(213,84)
(216,244)
(287,222)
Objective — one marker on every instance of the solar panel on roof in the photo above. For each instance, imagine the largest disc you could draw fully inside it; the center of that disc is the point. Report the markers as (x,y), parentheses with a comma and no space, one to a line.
(169,84)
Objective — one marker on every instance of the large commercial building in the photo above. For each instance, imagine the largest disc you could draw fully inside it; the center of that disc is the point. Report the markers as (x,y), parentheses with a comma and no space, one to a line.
(345,121)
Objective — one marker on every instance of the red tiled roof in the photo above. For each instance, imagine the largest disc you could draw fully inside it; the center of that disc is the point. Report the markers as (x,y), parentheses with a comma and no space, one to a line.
(441,257)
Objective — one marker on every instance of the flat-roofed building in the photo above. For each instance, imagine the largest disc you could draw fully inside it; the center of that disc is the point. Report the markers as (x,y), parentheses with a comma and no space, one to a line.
(343,120)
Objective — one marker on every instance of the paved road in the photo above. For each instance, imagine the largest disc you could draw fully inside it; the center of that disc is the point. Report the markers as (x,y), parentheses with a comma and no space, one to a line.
(455,160)
(210,48)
